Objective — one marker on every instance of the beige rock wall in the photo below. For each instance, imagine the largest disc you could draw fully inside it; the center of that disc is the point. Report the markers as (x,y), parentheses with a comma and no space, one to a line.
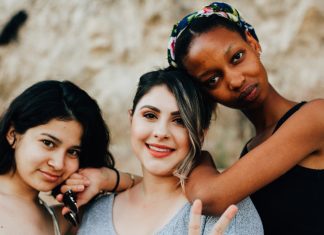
(105,45)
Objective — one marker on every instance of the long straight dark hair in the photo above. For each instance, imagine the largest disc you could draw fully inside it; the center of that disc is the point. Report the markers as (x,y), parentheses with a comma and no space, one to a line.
(47,100)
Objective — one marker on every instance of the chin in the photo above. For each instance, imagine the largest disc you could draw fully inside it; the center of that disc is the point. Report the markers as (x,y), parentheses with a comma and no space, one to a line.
(158,171)
(161,172)
(45,187)
(159,168)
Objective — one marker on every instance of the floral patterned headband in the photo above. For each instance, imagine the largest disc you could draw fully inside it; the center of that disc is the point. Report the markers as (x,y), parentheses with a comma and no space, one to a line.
(216,8)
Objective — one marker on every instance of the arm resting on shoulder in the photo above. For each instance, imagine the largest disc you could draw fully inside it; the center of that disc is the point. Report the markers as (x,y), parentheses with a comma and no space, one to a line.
(301,135)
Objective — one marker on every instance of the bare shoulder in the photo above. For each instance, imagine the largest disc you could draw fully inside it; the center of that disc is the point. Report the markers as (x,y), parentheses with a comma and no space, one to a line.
(312,113)
(316,106)
(305,124)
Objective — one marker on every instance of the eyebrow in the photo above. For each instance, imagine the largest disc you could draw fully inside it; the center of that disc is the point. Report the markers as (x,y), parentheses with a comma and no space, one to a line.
(58,140)
(228,49)
(175,113)
(200,76)
(52,137)
(151,107)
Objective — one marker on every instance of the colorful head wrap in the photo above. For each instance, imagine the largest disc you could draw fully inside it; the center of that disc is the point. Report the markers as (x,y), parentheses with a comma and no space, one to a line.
(216,8)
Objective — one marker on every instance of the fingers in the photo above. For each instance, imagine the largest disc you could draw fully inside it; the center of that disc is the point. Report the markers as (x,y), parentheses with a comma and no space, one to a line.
(76,183)
(224,220)
(65,210)
(195,214)
(59,197)
(74,188)
(78,177)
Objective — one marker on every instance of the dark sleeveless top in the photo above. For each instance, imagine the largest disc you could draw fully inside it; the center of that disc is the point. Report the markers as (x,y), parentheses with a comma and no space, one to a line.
(293,203)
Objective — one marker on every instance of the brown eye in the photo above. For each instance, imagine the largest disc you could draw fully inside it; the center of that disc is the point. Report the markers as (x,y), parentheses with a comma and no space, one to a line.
(149,115)
(74,153)
(236,58)
(213,81)
(179,121)
(48,143)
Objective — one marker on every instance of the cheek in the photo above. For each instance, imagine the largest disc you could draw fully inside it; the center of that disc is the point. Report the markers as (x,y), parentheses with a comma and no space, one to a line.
(139,130)
(139,134)
(71,166)
(263,71)
(254,65)
(183,141)
(28,156)
(220,94)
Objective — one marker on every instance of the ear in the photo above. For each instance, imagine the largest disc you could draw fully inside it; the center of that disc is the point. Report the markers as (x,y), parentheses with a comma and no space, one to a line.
(11,136)
(253,42)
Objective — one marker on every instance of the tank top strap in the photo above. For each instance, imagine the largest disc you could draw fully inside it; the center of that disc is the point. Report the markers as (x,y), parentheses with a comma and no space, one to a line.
(288,114)
(51,212)
(279,123)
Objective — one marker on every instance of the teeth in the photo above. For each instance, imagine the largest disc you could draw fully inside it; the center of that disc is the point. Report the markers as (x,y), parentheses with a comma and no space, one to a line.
(159,149)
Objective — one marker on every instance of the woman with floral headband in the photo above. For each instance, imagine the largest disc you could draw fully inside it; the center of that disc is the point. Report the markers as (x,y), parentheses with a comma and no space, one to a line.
(282,166)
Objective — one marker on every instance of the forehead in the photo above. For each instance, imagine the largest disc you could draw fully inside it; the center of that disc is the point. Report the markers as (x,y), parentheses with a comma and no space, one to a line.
(159,96)
(69,130)
(211,46)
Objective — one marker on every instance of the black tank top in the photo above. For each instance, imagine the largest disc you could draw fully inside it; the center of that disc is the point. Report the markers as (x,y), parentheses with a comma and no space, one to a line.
(293,203)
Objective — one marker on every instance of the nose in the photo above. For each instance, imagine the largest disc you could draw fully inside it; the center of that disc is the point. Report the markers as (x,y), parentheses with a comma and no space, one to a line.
(161,130)
(235,81)
(56,160)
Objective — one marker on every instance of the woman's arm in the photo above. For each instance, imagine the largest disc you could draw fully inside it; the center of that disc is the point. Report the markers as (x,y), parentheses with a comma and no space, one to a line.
(301,135)
(89,182)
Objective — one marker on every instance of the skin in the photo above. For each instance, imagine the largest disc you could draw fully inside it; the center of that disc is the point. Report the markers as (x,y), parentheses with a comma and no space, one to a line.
(232,72)
(89,182)
(157,130)
(45,155)
(242,84)
(160,142)
(155,121)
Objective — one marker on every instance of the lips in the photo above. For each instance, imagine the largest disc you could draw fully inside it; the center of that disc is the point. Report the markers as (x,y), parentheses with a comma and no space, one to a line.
(50,177)
(159,151)
(248,93)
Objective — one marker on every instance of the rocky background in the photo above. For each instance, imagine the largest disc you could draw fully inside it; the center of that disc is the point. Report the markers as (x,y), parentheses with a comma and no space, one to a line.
(105,45)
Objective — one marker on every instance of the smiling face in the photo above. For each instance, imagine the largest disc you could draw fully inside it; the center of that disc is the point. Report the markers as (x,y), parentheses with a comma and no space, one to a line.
(158,136)
(47,154)
(229,67)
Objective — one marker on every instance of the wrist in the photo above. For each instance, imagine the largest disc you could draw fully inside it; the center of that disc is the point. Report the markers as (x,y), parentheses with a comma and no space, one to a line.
(108,179)
(132,180)
(117,180)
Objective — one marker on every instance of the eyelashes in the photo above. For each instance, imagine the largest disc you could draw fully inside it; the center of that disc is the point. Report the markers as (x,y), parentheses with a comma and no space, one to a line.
(237,57)
(153,116)
(49,144)
(149,115)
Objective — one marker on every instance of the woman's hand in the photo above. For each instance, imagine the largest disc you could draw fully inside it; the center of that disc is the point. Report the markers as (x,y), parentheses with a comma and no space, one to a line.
(87,183)
(220,226)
